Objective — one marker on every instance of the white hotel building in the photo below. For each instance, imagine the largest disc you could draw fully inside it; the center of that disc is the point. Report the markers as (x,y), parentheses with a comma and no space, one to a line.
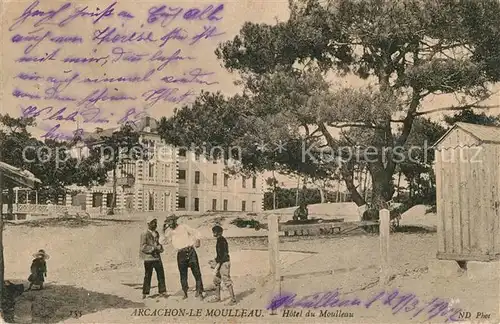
(172,180)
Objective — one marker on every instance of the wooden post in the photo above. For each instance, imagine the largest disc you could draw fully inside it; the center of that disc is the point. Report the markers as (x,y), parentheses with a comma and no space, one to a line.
(17,197)
(384,218)
(273,241)
(274,259)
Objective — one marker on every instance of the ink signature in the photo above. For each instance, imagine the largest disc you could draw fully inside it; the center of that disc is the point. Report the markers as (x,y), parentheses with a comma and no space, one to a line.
(37,39)
(167,14)
(61,114)
(158,56)
(166,94)
(48,17)
(113,35)
(396,300)
(118,54)
(102,95)
(127,78)
(60,84)
(56,134)
(193,76)
(82,12)
(89,115)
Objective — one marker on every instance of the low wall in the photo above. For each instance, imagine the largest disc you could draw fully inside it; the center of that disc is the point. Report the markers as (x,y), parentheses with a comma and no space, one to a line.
(28,211)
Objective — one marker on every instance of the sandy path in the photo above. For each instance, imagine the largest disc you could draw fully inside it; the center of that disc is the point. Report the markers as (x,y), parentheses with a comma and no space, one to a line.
(104,260)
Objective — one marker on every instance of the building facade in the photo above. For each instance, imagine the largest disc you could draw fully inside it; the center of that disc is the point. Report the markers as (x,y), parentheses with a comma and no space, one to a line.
(170,180)
(205,185)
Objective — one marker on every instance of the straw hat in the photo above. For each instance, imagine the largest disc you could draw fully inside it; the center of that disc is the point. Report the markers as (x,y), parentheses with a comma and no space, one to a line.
(42,253)
(151,218)
(171,217)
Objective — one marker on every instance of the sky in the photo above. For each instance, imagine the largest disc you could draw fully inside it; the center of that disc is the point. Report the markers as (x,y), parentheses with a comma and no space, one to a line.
(23,81)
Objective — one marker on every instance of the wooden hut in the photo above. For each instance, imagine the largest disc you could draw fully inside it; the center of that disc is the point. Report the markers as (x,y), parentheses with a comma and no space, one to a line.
(468,193)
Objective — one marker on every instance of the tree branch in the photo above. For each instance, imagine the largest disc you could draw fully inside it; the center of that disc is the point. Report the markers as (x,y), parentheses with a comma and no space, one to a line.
(306,128)
(329,138)
(354,124)
(453,108)
(408,121)
(314,132)
(474,105)
(347,138)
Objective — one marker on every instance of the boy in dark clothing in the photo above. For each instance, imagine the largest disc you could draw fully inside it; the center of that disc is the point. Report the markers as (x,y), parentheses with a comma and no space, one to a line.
(150,250)
(222,265)
(38,269)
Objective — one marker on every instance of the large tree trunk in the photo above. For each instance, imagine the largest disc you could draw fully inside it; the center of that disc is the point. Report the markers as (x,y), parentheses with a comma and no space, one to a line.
(382,186)
(346,172)
(348,178)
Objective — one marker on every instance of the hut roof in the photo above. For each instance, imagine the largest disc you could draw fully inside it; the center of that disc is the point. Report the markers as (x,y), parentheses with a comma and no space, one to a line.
(19,176)
(484,134)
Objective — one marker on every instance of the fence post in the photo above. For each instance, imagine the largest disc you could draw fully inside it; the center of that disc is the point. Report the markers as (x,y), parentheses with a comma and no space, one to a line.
(274,259)
(273,241)
(384,218)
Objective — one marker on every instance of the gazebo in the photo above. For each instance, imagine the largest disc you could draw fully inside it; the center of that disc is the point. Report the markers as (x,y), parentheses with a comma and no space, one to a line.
(21,178)
(24,179)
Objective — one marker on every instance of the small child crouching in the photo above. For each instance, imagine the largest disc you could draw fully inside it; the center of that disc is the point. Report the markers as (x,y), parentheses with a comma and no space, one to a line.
(222,266)
(38,269)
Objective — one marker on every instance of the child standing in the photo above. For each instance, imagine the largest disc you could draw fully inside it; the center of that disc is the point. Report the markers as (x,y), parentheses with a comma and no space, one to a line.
(222,265)
(38,269)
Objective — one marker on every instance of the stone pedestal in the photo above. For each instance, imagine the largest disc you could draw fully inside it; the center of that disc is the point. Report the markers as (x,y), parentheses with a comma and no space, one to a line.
(476,270)
(445,268)
(483,270)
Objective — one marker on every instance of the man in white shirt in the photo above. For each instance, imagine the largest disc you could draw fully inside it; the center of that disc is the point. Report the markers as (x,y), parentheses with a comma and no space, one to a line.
(185,240)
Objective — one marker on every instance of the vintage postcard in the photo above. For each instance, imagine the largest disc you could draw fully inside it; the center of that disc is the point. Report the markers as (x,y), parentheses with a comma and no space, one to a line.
(251,161)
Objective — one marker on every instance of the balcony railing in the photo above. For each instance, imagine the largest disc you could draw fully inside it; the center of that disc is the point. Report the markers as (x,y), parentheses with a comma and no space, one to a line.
(125,181)
(43,209)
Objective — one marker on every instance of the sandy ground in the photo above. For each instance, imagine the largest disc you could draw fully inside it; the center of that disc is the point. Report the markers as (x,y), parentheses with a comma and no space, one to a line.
(95,271)
(417,215)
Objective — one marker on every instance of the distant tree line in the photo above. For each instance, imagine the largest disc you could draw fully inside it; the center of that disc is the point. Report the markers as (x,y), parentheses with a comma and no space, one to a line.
(417,172)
